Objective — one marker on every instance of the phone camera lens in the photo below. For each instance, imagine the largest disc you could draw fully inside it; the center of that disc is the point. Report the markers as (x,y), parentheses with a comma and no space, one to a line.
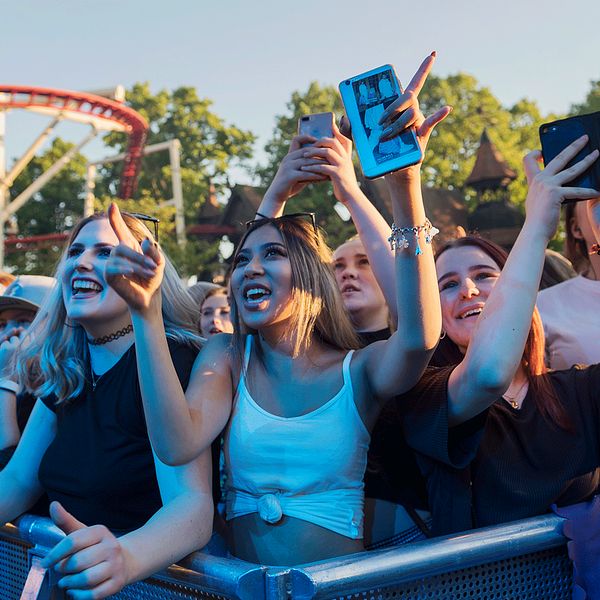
(305,118)
(347,82)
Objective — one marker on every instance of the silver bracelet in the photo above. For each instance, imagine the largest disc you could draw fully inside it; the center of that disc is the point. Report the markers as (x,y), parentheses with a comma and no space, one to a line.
(9,385)
(398,237)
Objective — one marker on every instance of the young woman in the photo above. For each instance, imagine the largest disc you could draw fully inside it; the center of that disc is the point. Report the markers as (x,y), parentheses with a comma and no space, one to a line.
(572,335)
(526,437)
(215,313)
(297,401)
(86,443)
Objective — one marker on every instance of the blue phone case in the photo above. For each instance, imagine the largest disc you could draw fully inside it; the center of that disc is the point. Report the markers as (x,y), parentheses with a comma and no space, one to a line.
(365,97)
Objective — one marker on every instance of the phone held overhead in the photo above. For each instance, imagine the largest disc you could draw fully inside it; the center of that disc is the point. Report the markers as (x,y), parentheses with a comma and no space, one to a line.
(556,136)
(317,125)
(365,98)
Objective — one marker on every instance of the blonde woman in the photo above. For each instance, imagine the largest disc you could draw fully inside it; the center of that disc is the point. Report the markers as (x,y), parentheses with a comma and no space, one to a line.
(86,444)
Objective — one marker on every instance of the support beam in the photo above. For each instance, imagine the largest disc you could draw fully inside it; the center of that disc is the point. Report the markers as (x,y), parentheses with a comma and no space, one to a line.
(45,177)
(20,164)
(174,150)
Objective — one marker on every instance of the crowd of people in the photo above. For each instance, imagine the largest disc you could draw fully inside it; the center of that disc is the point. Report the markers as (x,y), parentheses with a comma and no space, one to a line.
(323,402)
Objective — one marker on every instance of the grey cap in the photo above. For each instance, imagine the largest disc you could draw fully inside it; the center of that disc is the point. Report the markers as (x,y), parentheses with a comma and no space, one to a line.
(27,292)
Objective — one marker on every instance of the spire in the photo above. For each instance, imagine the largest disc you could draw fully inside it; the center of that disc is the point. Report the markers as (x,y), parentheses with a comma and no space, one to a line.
(491,172)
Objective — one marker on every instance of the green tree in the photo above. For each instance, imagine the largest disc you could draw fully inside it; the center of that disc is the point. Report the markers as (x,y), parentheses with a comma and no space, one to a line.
(452,149)
(591,102)
(209,149)
(54,209)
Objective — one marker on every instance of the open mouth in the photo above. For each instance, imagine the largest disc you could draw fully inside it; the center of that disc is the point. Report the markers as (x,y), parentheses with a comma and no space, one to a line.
(473,312)
(85,287)
(214,330)
(349,288)
(256,294)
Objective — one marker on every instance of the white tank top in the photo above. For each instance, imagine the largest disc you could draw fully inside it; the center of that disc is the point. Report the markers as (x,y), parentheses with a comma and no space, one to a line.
(310,467)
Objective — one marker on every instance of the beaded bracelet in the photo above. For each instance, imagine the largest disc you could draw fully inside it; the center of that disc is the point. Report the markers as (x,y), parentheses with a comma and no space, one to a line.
(399,241)
(594,249)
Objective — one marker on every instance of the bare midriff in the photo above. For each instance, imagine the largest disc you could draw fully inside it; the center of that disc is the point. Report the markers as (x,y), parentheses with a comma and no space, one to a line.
(290,541)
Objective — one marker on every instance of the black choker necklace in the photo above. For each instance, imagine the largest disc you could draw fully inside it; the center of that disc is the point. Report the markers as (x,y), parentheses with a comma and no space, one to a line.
(111,337)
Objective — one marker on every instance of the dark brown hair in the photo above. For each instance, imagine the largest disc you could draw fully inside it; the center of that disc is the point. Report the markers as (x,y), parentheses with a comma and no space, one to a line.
(533,361)
(575,248)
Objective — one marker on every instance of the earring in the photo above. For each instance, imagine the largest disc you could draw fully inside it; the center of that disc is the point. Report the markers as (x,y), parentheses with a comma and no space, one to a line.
(443,335)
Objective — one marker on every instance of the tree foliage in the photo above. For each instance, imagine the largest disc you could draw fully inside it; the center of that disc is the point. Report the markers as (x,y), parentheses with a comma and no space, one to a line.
(591,102)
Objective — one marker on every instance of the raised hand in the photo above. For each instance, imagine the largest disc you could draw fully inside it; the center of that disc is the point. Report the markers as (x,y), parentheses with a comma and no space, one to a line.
(404,112)
(9,342)
(548,189)
(332,158)
(91,558)
(134,271)
(290,178)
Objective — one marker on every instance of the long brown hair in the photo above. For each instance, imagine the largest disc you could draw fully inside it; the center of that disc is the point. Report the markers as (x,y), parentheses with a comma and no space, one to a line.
(318,304)
(533,360)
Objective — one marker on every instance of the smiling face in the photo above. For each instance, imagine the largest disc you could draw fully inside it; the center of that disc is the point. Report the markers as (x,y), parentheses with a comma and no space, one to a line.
(261,282)
(88,299)
(362,295)
(466,276)
(215,315)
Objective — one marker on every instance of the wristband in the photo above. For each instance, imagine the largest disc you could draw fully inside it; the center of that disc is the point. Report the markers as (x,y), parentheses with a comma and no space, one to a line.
(9,385)
(399,241)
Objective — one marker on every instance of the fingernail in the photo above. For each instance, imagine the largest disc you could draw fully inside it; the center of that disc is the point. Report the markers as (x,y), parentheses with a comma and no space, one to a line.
(434,53)
(149,263)
(385,132)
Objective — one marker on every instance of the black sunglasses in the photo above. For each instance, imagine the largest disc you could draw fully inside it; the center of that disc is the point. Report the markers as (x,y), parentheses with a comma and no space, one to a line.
(148,218)
(262,219)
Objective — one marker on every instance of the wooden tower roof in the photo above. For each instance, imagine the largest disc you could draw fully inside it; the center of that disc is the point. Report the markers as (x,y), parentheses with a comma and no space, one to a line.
(491,170)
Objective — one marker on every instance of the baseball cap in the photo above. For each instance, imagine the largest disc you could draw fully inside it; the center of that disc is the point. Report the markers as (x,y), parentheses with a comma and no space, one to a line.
(26,292)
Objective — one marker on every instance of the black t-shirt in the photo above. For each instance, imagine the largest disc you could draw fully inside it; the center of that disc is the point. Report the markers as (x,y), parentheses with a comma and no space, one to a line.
(520,463)
(100,464)
(392,472)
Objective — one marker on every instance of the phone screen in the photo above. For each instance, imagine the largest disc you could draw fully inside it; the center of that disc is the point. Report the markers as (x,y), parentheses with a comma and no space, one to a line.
(373,95)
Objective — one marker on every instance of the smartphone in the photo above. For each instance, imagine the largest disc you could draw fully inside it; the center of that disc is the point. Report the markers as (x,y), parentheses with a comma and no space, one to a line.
(556,136)
(365,97)
(319,125)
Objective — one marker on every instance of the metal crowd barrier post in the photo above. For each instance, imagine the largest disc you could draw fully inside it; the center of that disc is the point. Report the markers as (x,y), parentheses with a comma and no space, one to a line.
(525,560)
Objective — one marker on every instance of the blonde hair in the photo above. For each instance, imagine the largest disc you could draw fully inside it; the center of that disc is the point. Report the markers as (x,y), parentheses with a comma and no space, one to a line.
(54,354)
(318,304)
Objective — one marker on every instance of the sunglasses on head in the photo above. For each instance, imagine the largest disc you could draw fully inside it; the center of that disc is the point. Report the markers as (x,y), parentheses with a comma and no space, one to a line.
(262,219)
(146,219)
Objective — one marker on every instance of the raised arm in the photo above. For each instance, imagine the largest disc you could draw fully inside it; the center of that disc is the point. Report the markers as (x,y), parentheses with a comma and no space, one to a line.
(335,161)
(95,564)
(497,343)
(394,366)
(180,425)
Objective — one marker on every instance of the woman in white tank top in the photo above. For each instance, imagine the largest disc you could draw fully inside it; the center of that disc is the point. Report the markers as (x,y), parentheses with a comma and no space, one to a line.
(297,402)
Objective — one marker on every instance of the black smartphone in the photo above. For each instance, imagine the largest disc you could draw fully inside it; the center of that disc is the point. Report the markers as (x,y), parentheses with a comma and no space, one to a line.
(556,136)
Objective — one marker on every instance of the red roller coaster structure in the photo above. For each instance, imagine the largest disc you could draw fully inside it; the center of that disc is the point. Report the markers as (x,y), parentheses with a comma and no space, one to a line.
(88,108)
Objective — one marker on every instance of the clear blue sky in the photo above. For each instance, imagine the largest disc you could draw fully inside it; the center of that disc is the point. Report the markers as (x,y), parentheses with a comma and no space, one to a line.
(248,56)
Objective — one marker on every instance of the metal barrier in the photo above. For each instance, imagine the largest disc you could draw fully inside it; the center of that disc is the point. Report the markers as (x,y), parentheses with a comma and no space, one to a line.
(521,560)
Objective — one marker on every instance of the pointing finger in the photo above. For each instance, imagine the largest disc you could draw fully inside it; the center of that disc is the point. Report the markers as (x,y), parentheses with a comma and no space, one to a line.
(120,227)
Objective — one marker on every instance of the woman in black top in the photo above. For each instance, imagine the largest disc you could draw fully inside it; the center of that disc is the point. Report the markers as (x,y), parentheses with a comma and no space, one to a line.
(524,437)
(86,443)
